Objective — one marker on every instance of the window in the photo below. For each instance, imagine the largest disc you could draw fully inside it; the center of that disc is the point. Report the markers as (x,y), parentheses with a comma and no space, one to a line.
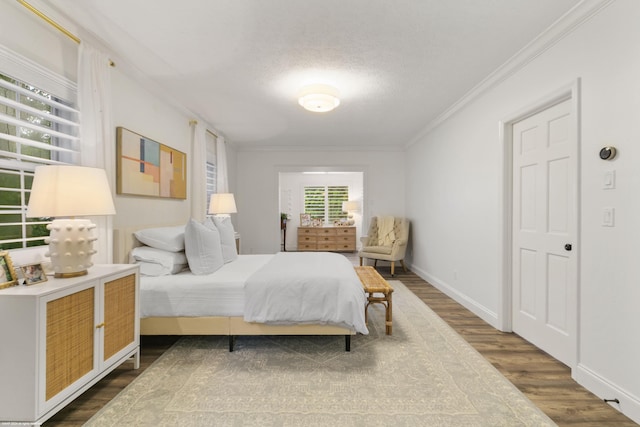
(36,128)
(212,170)
(325,202)
(211,180)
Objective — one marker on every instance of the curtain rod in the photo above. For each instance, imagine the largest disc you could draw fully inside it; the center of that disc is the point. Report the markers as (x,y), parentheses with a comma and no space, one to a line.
(50,21)
(54,24)
(195,122)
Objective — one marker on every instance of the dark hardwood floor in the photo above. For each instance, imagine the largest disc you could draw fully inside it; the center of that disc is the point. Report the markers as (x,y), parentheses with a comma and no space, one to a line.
(544,380)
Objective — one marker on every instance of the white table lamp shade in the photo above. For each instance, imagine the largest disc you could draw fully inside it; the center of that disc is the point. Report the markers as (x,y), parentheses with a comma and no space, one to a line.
(69,191)
(222,203)
(350,206)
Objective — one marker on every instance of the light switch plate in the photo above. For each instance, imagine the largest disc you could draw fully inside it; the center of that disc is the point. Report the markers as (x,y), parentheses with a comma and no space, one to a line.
(608,217)
(609,180)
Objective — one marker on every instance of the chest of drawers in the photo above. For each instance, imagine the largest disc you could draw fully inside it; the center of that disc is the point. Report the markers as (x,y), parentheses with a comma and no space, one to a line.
(327,239)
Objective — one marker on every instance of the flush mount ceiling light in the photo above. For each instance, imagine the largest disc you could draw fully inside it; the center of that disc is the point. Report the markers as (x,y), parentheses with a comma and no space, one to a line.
(319,98)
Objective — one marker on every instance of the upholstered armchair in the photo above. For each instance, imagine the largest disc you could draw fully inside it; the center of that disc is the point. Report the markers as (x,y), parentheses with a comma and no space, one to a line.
(386,241)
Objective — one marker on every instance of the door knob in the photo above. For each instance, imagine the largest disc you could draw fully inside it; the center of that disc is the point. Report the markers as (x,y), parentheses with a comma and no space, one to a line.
(567,247)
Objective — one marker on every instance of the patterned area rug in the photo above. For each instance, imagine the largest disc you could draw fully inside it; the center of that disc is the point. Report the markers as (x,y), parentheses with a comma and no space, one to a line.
(425,374)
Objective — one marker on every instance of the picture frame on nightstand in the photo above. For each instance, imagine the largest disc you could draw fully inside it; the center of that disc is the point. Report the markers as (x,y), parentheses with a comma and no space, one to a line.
(8,276)
(33,274)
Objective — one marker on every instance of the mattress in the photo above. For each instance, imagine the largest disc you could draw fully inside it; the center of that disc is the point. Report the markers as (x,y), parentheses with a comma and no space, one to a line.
(187,295)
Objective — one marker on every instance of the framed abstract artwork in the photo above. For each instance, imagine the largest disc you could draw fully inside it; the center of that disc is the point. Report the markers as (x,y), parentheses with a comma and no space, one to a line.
(148,168)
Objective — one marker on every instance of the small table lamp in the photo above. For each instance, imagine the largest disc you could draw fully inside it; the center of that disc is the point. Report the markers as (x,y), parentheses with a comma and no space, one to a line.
(350,207)
(69,191)
(222,203)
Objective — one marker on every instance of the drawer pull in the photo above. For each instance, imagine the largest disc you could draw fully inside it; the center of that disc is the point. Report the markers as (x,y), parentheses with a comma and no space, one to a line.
(100,325)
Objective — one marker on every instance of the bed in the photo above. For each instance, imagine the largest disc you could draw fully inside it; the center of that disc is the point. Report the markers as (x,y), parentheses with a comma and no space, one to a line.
(214,304)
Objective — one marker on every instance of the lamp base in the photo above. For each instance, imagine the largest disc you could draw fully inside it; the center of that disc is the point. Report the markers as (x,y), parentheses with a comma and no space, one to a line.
(69,275)
(70,246)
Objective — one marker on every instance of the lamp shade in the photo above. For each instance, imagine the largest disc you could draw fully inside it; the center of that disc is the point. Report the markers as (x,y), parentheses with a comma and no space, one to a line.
(67,191)
(222,203)
(350,206)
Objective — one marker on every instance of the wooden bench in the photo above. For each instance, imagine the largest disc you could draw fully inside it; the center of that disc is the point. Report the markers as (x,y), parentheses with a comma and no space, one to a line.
(373,284)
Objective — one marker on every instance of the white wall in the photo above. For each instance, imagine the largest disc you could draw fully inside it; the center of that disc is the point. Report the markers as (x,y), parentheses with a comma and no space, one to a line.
(141,110)
(25,33)
(144,113)
(454,195)
(257,193)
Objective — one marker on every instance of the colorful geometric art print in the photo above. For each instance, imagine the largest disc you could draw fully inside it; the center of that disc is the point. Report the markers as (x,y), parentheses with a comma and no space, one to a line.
(148,168)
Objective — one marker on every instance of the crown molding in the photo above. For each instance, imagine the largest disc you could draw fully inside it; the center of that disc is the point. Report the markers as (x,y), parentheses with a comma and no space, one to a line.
(240,147)
(565,25)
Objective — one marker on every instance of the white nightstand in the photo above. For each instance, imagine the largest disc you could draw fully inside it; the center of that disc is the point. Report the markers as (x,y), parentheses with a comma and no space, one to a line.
(62,336)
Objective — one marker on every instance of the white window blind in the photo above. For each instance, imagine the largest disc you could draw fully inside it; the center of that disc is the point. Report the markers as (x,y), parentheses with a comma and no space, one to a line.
(36,128)
(211,166)
(325,202)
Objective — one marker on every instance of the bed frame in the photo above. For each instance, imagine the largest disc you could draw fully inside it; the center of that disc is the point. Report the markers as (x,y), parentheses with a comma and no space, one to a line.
(124,241)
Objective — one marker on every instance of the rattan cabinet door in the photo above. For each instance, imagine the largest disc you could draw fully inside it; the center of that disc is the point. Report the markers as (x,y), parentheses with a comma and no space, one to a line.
(119,315)
(70,340)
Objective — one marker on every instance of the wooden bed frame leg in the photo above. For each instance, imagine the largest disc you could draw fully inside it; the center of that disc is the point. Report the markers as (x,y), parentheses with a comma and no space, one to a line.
(347,343)
(232,340)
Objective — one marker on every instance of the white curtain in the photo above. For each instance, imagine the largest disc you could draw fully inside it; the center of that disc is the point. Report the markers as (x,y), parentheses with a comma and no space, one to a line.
(96,133)
(222,178)
(198,167)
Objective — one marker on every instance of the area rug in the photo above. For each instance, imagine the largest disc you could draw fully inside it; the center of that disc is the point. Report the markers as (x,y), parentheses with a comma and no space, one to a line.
(424,374)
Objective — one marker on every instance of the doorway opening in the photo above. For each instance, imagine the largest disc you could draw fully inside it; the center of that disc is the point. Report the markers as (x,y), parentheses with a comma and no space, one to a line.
(297,190)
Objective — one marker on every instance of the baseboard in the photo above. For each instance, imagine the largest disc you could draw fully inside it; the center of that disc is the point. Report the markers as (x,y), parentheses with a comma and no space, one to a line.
(629,404)
(479,310)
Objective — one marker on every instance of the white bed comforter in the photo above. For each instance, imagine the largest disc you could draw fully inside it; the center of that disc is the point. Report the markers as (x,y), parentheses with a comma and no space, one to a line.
(306,287)
(188,295)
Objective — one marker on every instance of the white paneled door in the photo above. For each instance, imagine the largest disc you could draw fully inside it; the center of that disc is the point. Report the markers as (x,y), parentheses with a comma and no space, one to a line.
(544,229)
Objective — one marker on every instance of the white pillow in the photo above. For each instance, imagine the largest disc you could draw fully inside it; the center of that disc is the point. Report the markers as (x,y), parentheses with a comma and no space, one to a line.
(166,238)
(202,247)
(152,269)
(157,262)
(227,237)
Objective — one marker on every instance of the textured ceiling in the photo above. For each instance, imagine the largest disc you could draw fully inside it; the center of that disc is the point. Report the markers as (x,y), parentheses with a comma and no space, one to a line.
(239,64)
